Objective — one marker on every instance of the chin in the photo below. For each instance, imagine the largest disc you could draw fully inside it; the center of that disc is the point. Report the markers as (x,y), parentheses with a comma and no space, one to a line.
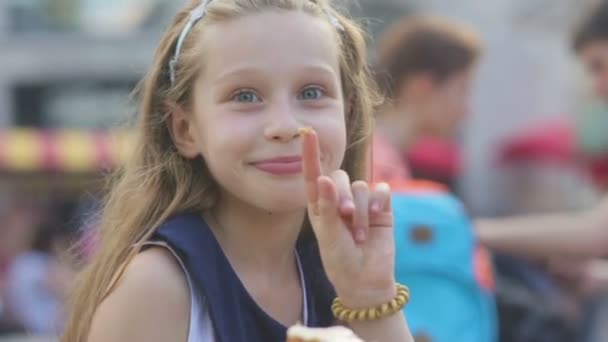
(283,204)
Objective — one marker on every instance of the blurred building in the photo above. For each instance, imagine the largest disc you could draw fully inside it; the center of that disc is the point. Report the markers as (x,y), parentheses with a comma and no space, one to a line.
(69,63)
(67,68)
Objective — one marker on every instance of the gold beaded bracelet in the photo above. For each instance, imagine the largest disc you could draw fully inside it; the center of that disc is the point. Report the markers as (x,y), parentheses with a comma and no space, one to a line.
(370,314)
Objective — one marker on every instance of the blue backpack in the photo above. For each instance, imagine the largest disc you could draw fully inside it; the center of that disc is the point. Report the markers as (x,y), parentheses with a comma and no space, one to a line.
(449,275)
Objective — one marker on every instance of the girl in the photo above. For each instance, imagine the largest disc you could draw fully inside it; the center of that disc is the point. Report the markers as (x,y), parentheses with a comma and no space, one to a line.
(208,233)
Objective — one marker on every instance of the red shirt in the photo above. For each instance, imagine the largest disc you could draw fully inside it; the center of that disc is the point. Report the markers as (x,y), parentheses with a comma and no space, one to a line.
(387,163)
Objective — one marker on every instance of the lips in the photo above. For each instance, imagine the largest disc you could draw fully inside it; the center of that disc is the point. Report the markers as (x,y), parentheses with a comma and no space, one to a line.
(280,166)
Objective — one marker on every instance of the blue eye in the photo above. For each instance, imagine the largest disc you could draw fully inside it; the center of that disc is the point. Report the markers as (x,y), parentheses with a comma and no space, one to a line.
(246,96)
(311,93)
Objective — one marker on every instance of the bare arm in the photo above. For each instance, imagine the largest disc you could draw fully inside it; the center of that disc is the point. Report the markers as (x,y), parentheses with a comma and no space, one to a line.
(578,234)
(392,328)
(150,304)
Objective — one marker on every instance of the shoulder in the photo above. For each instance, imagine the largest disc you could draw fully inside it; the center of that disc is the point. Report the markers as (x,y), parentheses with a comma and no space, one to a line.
(150,303)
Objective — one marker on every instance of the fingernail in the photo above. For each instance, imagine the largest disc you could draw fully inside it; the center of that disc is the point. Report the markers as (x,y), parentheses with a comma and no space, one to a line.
(375,206)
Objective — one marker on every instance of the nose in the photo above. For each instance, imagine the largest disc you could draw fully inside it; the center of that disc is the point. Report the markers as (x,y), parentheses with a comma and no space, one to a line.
(282,124)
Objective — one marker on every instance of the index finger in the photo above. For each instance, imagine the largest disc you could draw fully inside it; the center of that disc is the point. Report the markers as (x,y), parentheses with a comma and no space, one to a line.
(311,163)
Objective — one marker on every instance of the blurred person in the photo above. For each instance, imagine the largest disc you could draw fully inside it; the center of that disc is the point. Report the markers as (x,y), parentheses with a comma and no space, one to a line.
(591,45)
(568,240)
(570,234)
(16,233)
(590,42)
(541,169)
(543,174)
(425,65)
(38,280)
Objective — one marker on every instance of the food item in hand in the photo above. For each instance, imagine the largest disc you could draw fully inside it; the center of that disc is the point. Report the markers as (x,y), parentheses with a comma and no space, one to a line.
(299,333)
(305,130)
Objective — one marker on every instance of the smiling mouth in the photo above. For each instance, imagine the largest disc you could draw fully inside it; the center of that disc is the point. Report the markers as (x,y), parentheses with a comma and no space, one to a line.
(280,166)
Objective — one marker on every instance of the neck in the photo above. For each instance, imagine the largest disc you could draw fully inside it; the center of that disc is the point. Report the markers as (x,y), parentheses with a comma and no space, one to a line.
(255,240)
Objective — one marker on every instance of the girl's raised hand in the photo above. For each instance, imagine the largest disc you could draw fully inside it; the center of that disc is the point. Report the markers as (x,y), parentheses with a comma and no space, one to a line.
(354,227)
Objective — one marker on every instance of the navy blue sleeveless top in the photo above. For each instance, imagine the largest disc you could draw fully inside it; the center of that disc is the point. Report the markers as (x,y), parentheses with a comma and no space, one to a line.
(234,314)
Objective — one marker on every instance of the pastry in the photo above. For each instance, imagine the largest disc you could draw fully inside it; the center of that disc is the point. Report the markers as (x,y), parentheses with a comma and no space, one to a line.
(300,333)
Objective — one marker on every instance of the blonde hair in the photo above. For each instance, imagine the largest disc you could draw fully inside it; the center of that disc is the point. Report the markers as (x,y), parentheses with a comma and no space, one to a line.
(158,182)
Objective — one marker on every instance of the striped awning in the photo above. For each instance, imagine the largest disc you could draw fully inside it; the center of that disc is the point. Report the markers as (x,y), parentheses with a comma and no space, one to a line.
(70,151)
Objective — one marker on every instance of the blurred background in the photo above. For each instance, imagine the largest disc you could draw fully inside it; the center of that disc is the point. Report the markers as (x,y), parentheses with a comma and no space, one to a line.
(67,68)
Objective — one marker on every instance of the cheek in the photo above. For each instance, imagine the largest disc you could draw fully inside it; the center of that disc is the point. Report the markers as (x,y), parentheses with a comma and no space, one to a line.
(223,148)
(226,152)
(332,139)
(225,135)
(461,108)
(602,83)
(456,102)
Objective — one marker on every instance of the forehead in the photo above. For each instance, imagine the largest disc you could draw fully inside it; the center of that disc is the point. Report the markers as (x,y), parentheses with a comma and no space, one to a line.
(274,41)
(459,78)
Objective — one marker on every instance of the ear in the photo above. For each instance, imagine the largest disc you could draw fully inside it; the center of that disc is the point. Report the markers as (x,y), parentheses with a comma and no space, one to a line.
(183,132)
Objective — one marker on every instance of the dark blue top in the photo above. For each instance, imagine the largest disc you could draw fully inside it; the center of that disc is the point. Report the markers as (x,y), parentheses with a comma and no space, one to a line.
(234,314)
